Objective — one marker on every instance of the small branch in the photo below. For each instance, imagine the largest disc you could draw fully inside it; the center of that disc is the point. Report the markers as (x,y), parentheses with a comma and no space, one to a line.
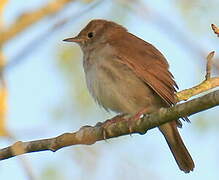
(209,65)
(28,19)
(89,135)
(215,29)
(203,87)
(207,84)
(42,38)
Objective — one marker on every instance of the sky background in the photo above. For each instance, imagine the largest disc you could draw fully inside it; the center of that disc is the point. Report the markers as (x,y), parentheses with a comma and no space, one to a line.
(48,96)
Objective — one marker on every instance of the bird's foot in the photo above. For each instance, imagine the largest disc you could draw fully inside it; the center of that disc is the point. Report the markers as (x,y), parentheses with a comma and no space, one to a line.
(136,117)
(108,122)
(139,114)
(122,117)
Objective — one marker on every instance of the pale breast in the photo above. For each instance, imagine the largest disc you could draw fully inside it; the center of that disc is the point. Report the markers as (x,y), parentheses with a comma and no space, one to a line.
(114,86)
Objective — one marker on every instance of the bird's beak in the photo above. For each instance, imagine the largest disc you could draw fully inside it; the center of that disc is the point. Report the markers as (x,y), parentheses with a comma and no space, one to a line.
(74,39)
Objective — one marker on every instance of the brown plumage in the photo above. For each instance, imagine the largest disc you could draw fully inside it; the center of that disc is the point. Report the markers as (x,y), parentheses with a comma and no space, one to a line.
(126,74)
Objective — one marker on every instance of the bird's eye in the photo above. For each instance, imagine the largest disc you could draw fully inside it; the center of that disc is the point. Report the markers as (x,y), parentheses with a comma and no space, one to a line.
(90,34)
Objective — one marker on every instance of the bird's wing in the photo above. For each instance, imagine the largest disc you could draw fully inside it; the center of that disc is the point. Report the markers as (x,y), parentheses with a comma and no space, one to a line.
(149,65)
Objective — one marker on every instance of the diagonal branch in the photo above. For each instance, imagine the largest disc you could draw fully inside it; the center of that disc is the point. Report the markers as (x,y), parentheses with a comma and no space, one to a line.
(89,135)
(40,39)
(28,19)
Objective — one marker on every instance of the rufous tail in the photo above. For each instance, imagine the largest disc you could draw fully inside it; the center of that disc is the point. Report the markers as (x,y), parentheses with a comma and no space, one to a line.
(177,147)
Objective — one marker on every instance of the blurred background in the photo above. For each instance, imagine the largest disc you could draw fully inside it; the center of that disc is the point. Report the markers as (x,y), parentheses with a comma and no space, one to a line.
(43,92)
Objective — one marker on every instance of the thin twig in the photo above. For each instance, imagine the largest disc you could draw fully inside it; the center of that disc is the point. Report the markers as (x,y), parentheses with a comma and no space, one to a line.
(207,84)
(209,65)
(29,18)
(215,29)
(40,39)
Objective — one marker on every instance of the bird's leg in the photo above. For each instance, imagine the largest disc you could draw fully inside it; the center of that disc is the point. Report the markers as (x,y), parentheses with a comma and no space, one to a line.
(140,114)
(118,118)
(122,117)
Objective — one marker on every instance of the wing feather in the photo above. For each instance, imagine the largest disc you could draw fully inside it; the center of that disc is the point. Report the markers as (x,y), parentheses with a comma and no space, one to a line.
(149,65)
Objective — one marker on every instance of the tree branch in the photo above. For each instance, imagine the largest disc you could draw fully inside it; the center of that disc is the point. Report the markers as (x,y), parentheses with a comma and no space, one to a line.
(90,135)
(207,84)
(215,29)
(42,38)
(27,19)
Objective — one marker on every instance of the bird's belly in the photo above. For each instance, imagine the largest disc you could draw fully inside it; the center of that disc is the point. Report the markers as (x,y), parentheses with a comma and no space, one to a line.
(114,86)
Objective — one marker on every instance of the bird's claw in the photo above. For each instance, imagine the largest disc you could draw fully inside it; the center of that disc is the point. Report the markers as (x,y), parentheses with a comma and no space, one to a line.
(119,118)
(108,122)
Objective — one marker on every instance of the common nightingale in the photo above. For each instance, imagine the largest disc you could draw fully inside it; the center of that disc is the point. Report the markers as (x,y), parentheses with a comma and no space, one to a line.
(125,74)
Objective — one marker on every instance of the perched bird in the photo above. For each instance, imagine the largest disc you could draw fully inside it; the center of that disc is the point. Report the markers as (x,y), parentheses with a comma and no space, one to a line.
(127,75)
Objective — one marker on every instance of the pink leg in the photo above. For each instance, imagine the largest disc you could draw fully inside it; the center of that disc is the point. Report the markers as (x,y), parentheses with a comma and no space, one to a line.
(139,114)
(136,117)
(107,123)
(122,117)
